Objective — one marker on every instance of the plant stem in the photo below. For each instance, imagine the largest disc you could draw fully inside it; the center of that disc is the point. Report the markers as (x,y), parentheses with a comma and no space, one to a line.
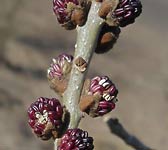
(86,43)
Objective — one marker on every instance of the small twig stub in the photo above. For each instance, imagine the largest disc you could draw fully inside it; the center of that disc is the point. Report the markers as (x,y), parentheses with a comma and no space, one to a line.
(80,64)
(116,128)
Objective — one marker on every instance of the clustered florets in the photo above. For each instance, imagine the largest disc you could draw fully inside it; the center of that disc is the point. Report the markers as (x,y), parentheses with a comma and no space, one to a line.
(76,139)
(45,117)
(58,72)
(108,91)
(127,11)
(71,13)
(60,6)
(116,14)
(60,66)
(103,85)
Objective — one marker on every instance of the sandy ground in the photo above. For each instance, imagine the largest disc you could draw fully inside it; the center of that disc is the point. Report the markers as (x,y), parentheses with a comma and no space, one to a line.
(30,37)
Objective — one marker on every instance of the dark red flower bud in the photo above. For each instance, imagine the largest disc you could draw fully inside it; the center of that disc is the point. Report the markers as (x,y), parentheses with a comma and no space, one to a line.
(60,66)
(60,6)
(45,117)
(70,13)
(108,91)
(76,139)
(127,11)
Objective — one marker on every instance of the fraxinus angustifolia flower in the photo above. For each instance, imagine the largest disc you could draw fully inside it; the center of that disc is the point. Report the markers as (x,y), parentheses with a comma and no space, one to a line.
(127,11)
(71,13)
(60,66)
(45,117)
(58,72)
(76,139)
(100,98)
(120,12)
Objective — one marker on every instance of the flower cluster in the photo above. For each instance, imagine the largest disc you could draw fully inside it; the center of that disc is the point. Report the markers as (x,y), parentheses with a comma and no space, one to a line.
(45,117)
(99,96)
(60,66)
(127,11)
(116,14)
(70,13)
(76,139)
(60,6)
(108,91)
(58,73)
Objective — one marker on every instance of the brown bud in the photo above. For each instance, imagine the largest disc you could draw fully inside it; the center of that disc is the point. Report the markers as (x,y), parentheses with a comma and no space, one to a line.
(107,38)
(80,64)
(85,102)
(89,103)
(48,131)
(78,17)
(106,10)
(71,13)
(86,87)
(59,86)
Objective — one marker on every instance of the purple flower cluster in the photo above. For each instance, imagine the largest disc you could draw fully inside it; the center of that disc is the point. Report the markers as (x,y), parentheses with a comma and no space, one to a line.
(127,11)
(76,139)
(105,87)
(60,9)
(60,66)
(45,116)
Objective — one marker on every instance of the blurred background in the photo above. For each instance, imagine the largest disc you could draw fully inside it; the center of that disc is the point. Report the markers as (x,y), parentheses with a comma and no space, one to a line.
(30,36)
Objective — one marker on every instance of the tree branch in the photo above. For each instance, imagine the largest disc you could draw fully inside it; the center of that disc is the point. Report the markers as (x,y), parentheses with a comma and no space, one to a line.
(86,43)
(117,129)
